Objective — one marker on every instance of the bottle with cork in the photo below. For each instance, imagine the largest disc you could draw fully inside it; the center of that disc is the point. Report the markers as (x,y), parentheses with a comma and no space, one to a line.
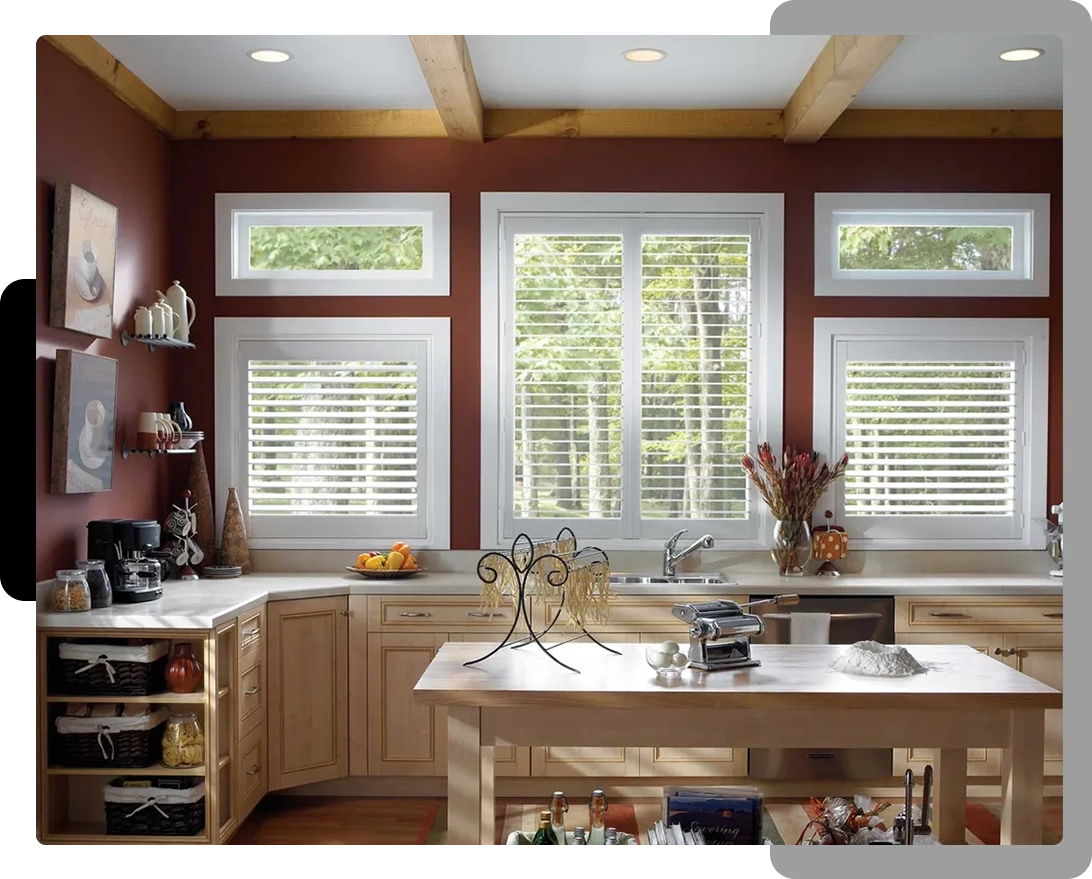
(597,812)
(558,807)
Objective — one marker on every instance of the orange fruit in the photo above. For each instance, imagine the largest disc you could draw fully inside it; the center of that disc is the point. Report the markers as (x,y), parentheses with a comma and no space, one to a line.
(410,564)
(360,559)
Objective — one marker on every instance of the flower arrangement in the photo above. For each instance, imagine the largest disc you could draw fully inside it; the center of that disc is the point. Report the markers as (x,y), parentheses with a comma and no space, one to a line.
(791,489)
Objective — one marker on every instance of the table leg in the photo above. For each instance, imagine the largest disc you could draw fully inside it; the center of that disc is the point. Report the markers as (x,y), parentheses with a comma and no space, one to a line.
(488,807)
(949,819)
(464,776)
(1022,780)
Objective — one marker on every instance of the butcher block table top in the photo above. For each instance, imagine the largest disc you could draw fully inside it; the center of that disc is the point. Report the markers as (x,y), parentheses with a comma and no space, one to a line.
(790,676)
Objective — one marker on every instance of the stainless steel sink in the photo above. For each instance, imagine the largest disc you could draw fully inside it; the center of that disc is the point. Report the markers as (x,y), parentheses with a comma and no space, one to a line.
(678,579)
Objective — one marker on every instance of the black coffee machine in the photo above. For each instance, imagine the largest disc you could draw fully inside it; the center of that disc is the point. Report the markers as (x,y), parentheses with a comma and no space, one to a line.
(122,545)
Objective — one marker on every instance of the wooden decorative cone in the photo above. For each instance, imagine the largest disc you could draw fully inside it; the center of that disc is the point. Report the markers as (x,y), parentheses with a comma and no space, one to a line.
(201,503)
(234,548)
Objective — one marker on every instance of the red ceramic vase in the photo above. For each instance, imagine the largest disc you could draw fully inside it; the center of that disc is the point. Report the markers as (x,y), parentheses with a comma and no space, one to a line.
(184,671)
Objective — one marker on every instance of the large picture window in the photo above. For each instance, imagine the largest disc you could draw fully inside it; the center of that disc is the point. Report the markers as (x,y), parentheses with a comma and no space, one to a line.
(628,363)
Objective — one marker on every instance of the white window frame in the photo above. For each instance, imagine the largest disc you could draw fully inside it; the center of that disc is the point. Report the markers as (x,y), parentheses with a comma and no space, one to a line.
(670,211)
(236,212)
(434,422)
(1028,214)
(1030,335)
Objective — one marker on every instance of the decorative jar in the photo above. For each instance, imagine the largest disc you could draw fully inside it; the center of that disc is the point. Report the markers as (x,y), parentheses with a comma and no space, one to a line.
(183,741)
(184,671)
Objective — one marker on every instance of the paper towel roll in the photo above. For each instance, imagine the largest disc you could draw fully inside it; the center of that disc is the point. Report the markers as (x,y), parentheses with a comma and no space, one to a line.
(809,628)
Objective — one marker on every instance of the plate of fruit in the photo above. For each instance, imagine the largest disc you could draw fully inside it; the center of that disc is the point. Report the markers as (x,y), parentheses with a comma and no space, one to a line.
(394,564)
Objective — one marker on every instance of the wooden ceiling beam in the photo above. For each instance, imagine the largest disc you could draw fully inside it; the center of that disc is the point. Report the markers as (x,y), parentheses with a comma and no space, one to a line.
(445,61)
(88,53)
(843,67)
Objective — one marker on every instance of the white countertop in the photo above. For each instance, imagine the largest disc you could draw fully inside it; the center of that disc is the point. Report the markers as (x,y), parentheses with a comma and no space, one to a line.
(205,604)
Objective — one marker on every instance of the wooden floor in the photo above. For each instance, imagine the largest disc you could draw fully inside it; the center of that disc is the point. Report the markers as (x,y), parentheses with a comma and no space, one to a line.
(369,821)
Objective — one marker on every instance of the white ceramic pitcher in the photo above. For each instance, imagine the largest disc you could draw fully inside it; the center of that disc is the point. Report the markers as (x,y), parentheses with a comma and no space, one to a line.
(183,306)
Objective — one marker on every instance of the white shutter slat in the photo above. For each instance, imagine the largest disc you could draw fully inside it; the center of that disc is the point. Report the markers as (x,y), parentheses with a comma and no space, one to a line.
(332,438)
(567,390)
(908,463)
(695,375)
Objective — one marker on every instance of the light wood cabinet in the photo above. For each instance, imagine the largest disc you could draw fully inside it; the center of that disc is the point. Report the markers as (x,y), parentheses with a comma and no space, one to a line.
(717,762)
(308,728)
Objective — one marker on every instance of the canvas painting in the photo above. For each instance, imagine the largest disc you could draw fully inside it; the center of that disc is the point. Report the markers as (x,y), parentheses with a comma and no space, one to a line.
(84,415)
(85,238)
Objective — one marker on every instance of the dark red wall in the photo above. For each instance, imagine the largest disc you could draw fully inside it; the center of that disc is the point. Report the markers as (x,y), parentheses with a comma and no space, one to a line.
(88,137)
(201,169)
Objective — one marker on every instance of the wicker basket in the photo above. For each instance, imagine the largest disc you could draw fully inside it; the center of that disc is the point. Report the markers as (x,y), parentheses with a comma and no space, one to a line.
(124,742)
(155,810)
(113,669)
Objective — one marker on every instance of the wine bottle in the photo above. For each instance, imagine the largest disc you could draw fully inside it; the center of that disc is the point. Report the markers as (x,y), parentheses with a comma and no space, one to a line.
(597,810)
(544,835)
(558,807)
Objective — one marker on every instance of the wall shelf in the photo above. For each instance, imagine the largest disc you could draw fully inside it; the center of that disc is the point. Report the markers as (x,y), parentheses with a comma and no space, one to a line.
(151,453)
(154,342)
(155,699)
(154,769)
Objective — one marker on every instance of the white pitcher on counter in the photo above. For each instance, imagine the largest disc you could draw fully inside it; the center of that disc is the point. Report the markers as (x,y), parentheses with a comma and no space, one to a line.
(183,306)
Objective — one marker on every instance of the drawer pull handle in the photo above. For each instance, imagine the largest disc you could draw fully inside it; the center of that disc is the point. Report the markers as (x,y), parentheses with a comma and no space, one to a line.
(251,633)
(483,614)
(254,770)
(951,616)
(250,691)
(1012,651)
(344,613)
(413,613)
(1053,616)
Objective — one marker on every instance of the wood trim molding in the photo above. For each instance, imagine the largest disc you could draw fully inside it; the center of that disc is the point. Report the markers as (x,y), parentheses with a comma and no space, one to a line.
(504,123)
(445,62)
(843,67)
(119,79)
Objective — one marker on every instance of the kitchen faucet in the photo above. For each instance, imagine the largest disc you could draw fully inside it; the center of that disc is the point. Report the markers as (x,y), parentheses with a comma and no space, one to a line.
(671,559)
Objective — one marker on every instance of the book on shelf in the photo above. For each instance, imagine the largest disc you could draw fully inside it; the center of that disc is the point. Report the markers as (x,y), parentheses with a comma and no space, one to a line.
(722,815)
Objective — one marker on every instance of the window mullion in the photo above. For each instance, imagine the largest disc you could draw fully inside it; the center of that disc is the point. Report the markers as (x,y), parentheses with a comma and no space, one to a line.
(631,380)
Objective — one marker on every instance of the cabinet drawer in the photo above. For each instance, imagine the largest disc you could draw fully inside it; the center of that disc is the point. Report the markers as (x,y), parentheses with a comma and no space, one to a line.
(251,698)
(389,613)
(640,613)
(251,627)
(995,613)
(252,773)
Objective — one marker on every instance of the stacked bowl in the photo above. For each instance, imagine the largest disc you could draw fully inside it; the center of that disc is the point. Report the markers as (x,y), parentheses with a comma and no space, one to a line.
(190,438)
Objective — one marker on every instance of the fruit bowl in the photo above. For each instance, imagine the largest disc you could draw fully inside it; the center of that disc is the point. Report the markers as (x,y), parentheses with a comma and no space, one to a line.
(668,659)
(383,573)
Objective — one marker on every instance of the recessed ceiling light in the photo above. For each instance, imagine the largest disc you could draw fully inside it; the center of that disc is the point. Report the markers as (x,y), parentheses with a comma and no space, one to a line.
(269,56)
(644,55)
(1022,54)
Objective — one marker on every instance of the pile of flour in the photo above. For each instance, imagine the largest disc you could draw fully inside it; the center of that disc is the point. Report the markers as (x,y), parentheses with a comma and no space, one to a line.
(877,660)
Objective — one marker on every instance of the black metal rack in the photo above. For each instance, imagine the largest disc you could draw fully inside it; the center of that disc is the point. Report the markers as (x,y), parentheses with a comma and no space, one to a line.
(534,568)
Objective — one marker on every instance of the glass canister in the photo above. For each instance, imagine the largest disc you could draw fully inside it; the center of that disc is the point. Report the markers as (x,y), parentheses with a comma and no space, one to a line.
(183,741)
(70,592)
(101,593)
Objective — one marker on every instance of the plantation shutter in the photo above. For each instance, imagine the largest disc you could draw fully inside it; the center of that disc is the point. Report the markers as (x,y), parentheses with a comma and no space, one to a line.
(695,375)
(334,436)
(566,433)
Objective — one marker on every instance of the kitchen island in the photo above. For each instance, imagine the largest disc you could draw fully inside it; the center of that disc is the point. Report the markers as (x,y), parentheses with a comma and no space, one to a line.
(793,699)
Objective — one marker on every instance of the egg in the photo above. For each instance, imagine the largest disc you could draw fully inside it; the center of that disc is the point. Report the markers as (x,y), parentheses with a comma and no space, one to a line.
(669,647)
(679,660)
(658,659)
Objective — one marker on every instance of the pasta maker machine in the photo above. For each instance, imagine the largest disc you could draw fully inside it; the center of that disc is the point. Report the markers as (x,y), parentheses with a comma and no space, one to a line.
(721,632)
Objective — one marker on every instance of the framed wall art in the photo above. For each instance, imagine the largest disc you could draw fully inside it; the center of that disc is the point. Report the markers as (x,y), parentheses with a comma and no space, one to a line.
(84,416)
(85,239)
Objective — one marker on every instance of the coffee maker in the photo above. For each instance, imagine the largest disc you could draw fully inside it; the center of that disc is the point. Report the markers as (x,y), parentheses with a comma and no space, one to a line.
(122,544)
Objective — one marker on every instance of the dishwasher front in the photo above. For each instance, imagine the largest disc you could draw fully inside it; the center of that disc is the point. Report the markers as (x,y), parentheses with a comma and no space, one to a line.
(852,619)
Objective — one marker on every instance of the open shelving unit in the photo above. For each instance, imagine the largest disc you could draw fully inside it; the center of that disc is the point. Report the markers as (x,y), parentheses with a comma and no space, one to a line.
(70,800)
(154,342)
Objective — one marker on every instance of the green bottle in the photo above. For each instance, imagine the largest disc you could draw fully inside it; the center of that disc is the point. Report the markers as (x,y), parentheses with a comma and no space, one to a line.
(545,834)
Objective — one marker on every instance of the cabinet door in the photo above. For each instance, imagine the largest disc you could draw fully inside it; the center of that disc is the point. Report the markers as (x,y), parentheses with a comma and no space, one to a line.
(564,762)
(980,761)
(308,681)
(405,737)
(716,762)
(1039,655)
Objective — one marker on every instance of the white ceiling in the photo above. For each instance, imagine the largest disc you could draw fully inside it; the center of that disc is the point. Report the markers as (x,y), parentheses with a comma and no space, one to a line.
(572,72)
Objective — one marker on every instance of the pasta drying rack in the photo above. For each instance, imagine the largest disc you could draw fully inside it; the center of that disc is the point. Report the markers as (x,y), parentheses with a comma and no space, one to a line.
(537,568)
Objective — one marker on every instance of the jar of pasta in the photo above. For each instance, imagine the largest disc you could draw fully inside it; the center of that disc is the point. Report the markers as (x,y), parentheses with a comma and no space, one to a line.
(183,741)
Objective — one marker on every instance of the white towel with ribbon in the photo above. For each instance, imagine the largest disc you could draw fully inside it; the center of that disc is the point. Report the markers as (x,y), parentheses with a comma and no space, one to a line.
(809,628)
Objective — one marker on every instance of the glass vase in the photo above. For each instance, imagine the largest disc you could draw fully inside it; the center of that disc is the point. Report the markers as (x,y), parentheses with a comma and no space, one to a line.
(184,671)
(791,547)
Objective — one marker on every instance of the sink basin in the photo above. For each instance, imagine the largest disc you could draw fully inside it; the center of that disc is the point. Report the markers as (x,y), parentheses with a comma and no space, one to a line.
(678,579)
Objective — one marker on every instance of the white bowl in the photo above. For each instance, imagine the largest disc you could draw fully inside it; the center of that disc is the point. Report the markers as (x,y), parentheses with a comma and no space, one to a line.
(187,442)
